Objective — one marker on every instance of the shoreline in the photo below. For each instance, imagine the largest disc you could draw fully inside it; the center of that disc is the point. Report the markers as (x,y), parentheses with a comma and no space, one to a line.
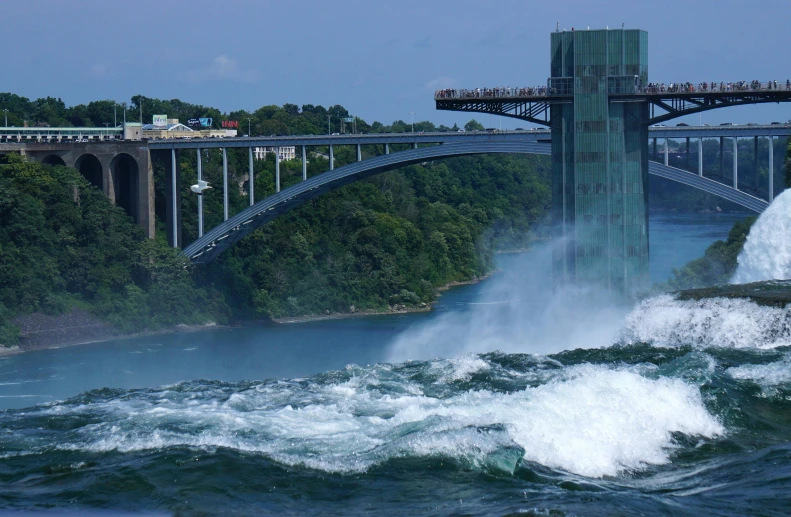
(111,334)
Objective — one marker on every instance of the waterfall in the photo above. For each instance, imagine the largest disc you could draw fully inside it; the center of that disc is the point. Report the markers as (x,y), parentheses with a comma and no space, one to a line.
(767,252)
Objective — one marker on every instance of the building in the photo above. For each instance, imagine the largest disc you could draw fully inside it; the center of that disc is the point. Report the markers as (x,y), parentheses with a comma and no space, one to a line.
(286,152)
(60,134)
(600,158)
(174,129)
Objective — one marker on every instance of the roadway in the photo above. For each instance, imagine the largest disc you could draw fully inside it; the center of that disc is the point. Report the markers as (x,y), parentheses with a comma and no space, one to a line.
(450,137)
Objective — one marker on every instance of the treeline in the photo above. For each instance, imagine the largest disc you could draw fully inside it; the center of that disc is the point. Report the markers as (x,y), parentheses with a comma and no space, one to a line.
(718,263)
(62,244)
(391,239)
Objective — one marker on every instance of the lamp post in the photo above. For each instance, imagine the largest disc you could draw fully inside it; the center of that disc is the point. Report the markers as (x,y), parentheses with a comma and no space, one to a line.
(115,114)
(329,131)
(248,126)
(5,112)
(413,120)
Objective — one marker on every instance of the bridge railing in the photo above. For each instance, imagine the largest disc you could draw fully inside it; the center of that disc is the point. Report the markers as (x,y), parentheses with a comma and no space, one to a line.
(508,92)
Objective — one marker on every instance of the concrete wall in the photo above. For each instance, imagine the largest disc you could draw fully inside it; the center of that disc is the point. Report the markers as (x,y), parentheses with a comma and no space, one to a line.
(105,152)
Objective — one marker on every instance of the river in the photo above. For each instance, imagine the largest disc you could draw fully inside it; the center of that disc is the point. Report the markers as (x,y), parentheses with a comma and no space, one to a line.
(502,400)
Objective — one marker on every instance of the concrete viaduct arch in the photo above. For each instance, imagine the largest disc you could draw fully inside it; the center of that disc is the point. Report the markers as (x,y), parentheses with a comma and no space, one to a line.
(121,170)
(225,235)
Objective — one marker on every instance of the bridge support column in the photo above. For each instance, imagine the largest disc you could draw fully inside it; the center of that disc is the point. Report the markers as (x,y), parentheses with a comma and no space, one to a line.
(304,165)
(359,153)
(722,157)
(735,164)
(387,148)
(414,146)
(755,161)
(277,169)
(655,155)
(700,157)
(250,175)
(173,195)
(224,184)
(771,168)
(667,150)
(200,196)
(332,159)
(688,160)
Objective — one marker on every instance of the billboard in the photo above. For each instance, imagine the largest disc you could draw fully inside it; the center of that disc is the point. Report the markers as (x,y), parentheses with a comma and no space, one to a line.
(193,122)
(160,121)
(229,124)
(205,122)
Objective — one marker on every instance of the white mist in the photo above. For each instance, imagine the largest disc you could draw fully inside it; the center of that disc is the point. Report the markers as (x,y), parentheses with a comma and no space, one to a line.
(520,311)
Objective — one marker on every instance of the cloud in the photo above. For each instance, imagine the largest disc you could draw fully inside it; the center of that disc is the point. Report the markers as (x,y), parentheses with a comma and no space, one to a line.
(223,68)
(439,83)
(423,42)
(97,71)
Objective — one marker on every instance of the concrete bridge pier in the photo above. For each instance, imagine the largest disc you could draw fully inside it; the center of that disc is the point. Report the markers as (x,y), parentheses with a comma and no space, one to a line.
(700,157)
(277,169)
(304,165)
(722,157)
(173,222)
(121,170)
(332,159)
(250,176)
(771,168)
(224,184)
(735,163)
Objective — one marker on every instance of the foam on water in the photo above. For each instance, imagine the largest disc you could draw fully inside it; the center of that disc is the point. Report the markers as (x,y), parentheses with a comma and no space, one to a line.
(767,252)
(588,420)
(767,375)
(712,322)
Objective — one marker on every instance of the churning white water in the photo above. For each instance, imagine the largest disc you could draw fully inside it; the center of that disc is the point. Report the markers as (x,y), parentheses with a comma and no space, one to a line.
(715,322)
(767,252)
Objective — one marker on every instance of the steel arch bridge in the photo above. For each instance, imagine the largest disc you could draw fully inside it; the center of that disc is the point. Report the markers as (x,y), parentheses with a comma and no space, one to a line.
(226,234)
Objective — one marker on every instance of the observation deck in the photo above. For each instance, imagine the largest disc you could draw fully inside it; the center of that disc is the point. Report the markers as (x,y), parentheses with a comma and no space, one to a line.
(666,101)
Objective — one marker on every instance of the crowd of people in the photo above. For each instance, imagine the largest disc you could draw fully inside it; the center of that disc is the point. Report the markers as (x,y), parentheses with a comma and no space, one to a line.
(507,91)
(739,86)
(658,88)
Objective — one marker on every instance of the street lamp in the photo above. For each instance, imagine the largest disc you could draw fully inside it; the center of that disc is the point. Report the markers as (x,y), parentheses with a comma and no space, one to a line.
(413,120)
(115,114)
(5,112)
(329,131)
(248,126)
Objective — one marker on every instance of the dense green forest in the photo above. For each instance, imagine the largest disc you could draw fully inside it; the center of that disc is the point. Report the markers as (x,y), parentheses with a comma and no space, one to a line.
(391,239)
(62,244)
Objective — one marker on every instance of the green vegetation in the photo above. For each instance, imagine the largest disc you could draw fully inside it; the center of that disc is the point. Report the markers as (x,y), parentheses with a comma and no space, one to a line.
(63,244)
(717,265)
(391,239)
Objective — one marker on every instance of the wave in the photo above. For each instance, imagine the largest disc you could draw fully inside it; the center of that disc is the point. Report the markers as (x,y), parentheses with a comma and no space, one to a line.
(589,420)
(713,322)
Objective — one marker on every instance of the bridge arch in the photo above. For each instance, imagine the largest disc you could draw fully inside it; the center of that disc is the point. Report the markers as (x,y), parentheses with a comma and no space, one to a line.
(91,169)
(53,159)
(218,239)
(125,174)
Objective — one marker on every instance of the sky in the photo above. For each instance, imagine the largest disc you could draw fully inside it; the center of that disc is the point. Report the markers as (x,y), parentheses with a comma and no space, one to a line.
(379,59)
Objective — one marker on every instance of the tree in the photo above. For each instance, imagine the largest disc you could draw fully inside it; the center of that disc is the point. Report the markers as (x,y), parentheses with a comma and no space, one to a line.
(473,125)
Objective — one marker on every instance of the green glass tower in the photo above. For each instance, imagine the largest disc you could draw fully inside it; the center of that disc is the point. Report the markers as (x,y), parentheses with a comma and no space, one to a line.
(600,158)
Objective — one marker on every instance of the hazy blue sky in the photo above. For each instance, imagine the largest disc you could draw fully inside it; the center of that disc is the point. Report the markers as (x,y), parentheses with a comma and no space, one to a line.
(379,59)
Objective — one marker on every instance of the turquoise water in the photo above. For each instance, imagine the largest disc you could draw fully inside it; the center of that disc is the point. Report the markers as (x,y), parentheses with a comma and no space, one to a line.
(502,401)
